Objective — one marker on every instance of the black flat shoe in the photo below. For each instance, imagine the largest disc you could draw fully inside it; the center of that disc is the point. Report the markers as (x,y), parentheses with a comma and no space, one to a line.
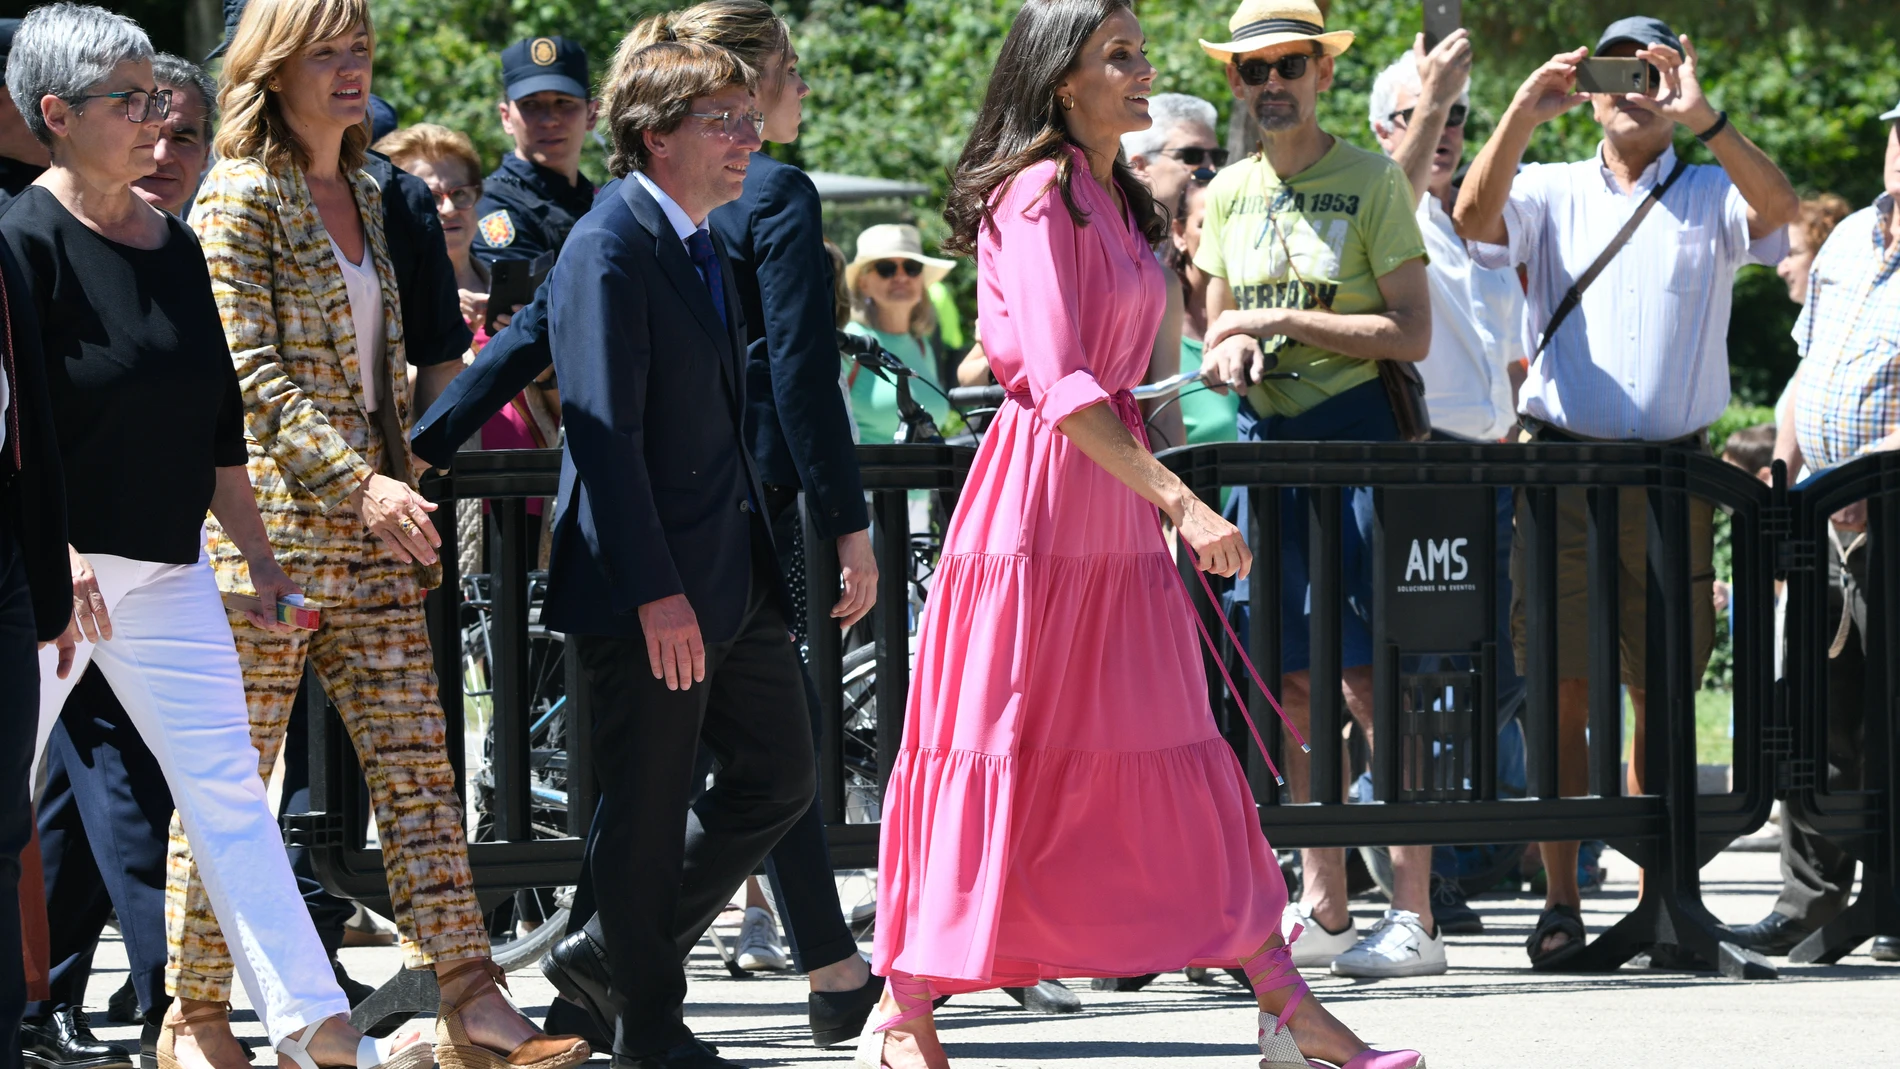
(1775,934)
(1048,997)
(577,967)
(1885,948)
(693,1055)
(63,1039)
(839,1016)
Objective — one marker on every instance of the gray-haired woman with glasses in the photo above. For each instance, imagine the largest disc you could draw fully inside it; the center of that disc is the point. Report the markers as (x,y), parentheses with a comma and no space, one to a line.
(151,426)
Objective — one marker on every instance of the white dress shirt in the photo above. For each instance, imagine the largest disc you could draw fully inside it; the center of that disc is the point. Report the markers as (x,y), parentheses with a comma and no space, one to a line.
(1477,334)
(683,224)
(1645,355)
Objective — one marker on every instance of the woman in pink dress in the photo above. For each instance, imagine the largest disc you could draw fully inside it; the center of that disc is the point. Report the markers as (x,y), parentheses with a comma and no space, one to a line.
(1061,774)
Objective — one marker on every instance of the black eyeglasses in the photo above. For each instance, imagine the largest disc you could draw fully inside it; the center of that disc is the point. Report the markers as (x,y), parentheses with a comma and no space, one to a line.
(888,268)
(1194,155)
(141,105)
(1455,117)
(1255,71)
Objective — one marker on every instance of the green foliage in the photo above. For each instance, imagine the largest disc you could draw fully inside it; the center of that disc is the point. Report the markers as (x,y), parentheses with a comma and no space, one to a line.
(896,85)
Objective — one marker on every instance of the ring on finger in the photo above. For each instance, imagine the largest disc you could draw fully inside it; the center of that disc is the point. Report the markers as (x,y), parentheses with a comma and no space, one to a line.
(408,525)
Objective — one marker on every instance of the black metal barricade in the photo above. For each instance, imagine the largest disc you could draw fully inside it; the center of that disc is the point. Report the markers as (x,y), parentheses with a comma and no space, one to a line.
(1859,818)
(1437,785)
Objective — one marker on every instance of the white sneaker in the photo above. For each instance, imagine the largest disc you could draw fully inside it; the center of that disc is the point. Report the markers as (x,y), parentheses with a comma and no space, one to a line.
(1316,947)
(759,949)
(1396,946)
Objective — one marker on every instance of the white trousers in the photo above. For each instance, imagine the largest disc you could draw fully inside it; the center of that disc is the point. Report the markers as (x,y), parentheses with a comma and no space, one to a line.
(174,667)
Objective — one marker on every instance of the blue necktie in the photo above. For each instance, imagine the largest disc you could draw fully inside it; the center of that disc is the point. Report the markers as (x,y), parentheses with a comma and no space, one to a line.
(700,247)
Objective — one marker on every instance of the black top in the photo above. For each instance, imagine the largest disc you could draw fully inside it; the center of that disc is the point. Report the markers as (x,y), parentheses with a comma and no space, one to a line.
(797,427)
(15,176)
(527,210)
(32,490)
(143,393)
(433,329)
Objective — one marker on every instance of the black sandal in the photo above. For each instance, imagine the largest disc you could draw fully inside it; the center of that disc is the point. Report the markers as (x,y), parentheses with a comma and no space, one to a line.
(1556,920)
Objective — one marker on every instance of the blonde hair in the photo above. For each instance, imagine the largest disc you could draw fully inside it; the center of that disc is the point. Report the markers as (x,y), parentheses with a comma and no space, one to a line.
(923,314)
(430,143)
(652,88)
(749,28)
(269,34)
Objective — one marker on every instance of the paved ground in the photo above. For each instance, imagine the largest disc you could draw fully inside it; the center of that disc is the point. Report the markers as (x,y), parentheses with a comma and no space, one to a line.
(1489,1012)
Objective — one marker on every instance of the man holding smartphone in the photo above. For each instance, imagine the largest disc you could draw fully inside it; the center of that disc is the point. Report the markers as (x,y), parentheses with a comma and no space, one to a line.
(1644,357)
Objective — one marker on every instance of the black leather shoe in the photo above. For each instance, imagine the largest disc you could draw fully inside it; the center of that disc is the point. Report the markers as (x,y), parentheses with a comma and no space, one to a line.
(839,1016)
(123,1006)
(1885,948)
(693,1055)
(567,1019)
(1048,997)
(63,1039)
(1775,934)
(353,989)
(577,967)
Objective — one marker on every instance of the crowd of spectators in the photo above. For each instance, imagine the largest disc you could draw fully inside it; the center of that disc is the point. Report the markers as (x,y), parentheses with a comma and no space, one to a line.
(343,273)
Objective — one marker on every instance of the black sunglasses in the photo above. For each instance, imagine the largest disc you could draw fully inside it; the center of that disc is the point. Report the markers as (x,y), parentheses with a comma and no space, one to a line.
(1194,155)
(888,268)
(1255,71)
(1455,117)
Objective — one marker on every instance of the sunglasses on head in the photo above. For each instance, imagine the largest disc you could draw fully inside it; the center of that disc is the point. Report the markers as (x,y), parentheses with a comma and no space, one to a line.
(1194,155)
(889,268)
(1454,117)
(1255,71)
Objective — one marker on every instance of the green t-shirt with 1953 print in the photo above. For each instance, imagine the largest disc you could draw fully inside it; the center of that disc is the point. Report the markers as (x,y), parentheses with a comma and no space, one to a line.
(1346,221)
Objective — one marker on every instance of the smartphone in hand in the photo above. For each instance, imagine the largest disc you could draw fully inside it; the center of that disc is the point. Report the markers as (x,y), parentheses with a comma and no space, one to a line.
(1441,17)
(1617,74)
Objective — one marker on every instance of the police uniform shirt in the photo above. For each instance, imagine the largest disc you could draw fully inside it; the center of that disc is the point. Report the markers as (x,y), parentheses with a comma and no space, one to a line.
(526,210)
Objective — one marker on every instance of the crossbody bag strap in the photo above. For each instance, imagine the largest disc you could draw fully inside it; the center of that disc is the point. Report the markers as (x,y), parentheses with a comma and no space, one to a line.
(1574,295)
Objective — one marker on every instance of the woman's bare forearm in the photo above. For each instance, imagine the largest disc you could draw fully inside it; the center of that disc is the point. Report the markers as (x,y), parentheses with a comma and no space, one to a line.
(1103,438)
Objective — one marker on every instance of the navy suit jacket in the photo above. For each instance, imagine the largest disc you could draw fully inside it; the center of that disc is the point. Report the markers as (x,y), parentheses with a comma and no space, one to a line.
(657,489)
(796,424)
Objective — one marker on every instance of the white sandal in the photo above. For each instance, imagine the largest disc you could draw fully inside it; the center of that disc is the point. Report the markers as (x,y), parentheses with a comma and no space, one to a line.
(388,1053)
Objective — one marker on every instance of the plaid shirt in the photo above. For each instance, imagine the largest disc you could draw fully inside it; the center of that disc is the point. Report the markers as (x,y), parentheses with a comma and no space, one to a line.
(1849,337)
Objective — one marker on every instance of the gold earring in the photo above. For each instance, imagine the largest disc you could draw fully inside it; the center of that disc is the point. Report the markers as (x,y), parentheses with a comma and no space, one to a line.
(1068,103)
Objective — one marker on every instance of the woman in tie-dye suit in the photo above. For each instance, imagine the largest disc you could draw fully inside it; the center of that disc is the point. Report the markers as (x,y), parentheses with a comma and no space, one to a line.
(292,229)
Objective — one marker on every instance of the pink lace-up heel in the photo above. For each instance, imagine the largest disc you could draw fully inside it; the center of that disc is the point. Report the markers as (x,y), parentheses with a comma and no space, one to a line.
(913,998)
(1272,970)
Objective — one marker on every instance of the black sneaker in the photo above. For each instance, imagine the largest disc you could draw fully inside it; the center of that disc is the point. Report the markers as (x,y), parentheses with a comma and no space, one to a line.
(63,1039)
(1450,910)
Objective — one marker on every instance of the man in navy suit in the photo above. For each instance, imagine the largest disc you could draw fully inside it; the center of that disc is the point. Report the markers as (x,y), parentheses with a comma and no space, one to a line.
(662,573)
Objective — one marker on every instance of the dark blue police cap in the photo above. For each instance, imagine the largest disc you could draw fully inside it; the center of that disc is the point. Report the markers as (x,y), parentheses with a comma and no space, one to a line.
(382,118)
(539,64)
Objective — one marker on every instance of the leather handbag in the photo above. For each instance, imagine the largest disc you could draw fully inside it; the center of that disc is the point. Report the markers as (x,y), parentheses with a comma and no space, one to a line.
(1405,392)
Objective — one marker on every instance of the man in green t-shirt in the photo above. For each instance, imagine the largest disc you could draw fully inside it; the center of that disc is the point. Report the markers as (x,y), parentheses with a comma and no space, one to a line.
(1317,267)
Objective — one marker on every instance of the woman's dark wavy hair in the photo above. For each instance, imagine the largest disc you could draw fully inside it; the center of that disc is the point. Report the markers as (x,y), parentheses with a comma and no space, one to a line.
(1021,125)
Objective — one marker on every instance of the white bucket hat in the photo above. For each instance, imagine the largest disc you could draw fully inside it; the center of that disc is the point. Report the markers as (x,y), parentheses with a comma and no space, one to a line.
(894,241)
(1259,24)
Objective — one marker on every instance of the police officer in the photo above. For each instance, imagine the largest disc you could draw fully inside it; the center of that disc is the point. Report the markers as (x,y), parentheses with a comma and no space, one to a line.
(538,193)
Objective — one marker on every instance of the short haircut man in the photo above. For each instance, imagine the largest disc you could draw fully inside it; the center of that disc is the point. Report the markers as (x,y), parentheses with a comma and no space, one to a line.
(183,152)
(533,198)
(1644,357)
(663,575)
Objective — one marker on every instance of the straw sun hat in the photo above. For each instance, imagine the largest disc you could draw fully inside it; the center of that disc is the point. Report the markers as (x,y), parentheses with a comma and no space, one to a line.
(1259,24)
(894,241)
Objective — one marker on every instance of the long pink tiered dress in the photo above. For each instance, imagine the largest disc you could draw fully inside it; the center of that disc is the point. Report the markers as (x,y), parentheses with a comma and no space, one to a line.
(1062,804)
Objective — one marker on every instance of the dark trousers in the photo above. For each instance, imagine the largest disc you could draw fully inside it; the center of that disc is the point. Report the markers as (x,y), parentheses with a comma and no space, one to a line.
(104,822)
(800,865)
(749,711)
(1817,876)
(328,912)
(19,721)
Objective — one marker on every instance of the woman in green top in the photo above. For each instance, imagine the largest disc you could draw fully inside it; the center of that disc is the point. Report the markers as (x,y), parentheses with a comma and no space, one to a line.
(887,281)
(1209,416)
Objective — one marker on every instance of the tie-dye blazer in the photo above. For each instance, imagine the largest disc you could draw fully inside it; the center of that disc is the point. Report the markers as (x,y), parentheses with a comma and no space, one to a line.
(286,313)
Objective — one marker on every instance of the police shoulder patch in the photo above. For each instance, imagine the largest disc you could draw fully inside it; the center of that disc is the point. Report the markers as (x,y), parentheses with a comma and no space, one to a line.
(497,229)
